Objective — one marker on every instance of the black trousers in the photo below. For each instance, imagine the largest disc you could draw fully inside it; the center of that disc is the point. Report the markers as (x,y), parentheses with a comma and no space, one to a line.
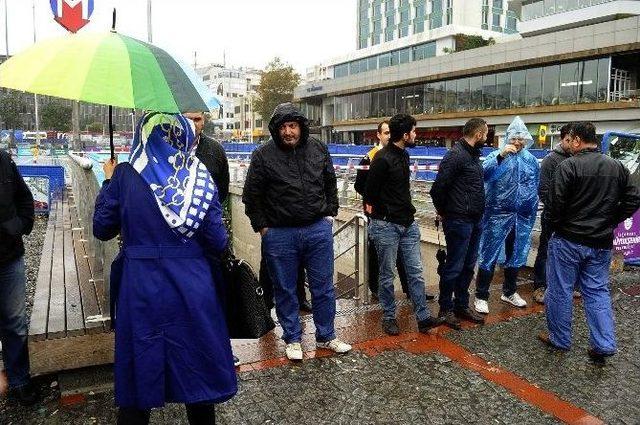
(374,269)
(197,414)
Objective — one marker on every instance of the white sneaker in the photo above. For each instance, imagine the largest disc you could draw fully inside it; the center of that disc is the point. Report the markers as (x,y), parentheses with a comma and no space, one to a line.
(294,351)
(335,345)
(481,306)
(515,300)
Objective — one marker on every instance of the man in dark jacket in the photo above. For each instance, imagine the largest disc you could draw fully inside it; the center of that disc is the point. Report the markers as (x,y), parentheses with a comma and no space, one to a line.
(591,194)
(359,185)
(392,226)
(458,196)
(547,171)
(16,219)
(291,197)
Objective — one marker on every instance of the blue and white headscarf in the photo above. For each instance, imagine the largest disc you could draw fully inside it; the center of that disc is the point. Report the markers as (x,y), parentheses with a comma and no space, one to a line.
(163,153)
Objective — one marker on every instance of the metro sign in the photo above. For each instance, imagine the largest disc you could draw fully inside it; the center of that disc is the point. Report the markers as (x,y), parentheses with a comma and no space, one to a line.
(72,14)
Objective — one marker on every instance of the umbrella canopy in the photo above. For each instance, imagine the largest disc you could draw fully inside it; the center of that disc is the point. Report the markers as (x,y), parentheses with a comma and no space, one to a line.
(108,69)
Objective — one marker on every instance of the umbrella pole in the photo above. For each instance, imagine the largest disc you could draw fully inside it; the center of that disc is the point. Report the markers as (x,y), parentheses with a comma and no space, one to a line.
(111,132)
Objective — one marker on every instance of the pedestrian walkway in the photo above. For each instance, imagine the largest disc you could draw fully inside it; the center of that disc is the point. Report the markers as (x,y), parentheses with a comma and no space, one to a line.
(497,373)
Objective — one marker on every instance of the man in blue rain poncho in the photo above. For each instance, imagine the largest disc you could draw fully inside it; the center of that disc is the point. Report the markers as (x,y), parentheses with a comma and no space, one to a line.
(511,176)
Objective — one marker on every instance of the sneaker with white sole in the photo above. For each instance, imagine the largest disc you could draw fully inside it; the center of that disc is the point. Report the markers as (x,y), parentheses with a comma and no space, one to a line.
(294,351)
(481,306)
(515,300)
(335,345)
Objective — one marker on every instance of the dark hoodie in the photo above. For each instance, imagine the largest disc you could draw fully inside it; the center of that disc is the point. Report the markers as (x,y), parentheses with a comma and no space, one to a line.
(290,187)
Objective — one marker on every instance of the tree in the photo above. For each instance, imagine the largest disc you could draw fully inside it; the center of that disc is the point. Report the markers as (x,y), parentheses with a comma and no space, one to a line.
(11,106)
(277,83)
(468,42)
(95,127)
(55,115)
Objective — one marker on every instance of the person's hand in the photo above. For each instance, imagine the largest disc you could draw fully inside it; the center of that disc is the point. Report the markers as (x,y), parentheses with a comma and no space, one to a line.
(263,231)
(508,150)
(108,167)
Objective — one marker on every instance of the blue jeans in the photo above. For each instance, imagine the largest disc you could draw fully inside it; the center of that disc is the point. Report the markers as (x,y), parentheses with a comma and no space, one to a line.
(463,239)
(13,323)
(390,238)
(569,263)
(285,249)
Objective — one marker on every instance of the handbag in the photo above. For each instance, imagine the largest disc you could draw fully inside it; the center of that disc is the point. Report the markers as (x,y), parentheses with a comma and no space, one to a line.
(245,309)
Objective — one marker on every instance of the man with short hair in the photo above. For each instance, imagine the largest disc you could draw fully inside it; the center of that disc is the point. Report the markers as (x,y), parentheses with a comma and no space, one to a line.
(547,171)
(16,219)
(383,135)
(291,197)
(392,225)
(591,194)
(458,196)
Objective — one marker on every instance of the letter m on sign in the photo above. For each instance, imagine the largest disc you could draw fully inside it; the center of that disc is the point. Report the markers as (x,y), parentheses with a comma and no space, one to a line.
(72,14)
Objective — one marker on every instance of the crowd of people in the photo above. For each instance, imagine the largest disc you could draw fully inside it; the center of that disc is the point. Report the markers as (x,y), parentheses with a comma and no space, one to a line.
(171,341)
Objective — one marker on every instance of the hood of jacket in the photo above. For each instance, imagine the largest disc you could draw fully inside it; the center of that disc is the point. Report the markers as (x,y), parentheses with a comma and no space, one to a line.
(287,112)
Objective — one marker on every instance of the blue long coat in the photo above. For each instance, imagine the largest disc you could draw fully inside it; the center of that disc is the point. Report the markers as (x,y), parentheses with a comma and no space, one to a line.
(171,342)
(511,191)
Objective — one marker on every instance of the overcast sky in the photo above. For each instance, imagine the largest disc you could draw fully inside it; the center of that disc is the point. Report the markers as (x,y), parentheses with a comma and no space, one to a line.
(251,32)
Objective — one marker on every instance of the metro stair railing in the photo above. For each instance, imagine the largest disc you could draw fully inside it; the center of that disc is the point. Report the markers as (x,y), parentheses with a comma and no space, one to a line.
(360,273)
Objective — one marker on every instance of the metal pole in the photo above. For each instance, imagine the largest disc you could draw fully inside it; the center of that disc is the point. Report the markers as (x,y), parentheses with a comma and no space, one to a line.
(365,260)
(357,254)
(35,96)
(6,28)
(149,27)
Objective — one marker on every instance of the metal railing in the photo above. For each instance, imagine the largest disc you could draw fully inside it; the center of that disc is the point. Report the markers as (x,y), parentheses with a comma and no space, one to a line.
(360,273)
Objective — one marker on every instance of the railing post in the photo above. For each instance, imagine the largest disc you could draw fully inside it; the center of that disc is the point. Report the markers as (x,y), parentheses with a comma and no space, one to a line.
(365,260)
(357,255)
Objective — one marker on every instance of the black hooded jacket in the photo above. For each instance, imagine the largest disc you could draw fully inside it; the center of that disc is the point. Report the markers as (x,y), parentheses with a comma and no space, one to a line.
(289,187)
(16,210)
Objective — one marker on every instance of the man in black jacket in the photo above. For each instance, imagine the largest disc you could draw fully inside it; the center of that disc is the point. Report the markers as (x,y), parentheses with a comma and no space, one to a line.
(392,226)
(16,219)
(291,197)
(591,194)
(458,196)
(547,171)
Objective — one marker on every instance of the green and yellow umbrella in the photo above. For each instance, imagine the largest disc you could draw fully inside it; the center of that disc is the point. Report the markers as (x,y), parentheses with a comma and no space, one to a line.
(108,69)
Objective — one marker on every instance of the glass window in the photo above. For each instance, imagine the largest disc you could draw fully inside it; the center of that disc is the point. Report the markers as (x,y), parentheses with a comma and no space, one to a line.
(341,70)
(603,79)
(561,6)
(388,6)
(417,101)
(404,16)
(503,90)
(424,51)
(362,42)
(464,97)
(549,7)
(532,10)
(372,63)
(475,90)
(534,87)
(388,34)
(435,20)
(357,106)
(395,57)
(489,91)
(403,31)
(439,97)
(569,77)
(392,102)
(354,67)
(429,98)
(588,86)
(384,60)
(404,55)
(374,107)
(551,85)
(450,96)
(518,85)
(418,26)
(337,109)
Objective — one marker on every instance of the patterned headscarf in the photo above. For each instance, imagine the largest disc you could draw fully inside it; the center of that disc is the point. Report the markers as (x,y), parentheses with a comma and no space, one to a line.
(163,153)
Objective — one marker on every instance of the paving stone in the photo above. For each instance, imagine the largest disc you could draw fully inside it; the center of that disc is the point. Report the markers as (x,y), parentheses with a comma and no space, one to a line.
(610,392)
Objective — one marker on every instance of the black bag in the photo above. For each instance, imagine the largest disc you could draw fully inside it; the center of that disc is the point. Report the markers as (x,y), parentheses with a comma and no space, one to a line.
(246,312)
(441,254)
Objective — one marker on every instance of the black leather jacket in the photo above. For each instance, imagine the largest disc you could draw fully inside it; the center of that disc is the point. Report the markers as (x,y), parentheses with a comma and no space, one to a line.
(591,194)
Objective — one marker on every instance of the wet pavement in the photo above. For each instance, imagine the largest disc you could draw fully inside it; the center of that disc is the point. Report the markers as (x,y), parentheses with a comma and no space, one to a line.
(497,373)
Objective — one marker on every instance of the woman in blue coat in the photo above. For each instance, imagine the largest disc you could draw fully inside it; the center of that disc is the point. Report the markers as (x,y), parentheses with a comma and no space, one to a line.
(511,177)
(171,338)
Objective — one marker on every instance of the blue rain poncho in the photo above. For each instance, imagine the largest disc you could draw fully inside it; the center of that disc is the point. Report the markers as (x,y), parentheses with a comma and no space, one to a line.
(511,189)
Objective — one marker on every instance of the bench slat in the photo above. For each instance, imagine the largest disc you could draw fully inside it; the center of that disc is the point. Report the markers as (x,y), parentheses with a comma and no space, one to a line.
(57,319)
(40,310)
(73,303)
(87,289)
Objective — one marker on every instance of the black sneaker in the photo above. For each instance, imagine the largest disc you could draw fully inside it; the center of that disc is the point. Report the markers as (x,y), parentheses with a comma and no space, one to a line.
(469,315)
(429,323)
(450,319)
(390,327)
(597,357)
(430,297)
(26,395)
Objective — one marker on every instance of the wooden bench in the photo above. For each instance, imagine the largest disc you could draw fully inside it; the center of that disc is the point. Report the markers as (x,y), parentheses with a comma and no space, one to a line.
(70,326)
